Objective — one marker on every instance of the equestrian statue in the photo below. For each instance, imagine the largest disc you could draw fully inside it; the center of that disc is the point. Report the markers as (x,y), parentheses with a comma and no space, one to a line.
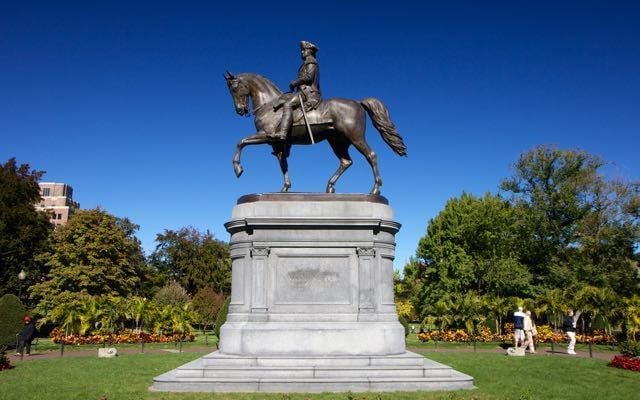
(301,116)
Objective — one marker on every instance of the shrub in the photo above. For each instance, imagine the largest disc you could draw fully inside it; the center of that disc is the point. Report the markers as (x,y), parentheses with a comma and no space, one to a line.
(404,324)
(629,348)
(171,294)
(4,361)
(222,317)
(12,313)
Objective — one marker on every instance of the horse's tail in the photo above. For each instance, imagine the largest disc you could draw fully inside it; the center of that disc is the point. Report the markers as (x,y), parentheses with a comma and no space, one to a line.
(382,121)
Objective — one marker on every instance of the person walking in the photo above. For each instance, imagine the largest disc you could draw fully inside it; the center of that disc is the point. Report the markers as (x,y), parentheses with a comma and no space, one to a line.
(569,327)
(518,327)
(27,334)
(530,331)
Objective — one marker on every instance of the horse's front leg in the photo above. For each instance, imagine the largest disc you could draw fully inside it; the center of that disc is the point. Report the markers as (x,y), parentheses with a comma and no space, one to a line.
(258,138)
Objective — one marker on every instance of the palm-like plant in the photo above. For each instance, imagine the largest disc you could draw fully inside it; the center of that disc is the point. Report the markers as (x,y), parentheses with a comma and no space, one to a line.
(632,316)
(68,315)
(137,308)
(554,305)
(441,311)
(601,303)
(180,319)
(470,311)
(498,308)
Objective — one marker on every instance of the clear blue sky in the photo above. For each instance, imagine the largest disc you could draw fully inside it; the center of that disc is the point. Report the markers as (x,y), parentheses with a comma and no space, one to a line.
(125,100)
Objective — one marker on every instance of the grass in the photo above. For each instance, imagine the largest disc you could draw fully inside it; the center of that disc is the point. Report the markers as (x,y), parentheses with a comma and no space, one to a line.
(496,376)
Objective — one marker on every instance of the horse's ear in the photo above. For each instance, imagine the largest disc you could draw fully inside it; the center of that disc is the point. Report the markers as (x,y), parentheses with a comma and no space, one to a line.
(228,76)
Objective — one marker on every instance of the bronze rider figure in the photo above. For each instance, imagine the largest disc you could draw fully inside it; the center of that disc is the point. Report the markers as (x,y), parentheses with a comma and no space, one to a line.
(308,84)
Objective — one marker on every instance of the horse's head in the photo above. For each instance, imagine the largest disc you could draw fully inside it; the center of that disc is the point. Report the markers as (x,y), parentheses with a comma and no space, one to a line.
(240,92)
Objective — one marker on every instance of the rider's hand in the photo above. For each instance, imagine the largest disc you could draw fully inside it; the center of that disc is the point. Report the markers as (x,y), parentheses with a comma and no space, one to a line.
(292,86)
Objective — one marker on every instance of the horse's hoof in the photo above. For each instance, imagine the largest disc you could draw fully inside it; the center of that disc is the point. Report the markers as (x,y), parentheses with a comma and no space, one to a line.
(331,189)
(375,190)
(238,170)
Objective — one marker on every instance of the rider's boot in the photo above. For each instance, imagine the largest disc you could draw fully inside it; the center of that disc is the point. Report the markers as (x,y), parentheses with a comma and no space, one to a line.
(285,124)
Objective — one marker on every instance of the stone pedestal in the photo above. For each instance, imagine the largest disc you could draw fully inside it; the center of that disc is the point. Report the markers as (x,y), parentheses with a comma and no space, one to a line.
(312,305)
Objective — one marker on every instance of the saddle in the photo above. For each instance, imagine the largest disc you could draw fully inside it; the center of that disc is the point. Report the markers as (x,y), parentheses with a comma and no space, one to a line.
(315,116)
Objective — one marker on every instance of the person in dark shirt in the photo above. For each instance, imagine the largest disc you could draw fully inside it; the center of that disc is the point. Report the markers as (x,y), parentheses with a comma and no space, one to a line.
(27,335)
(518,327)
(569,327)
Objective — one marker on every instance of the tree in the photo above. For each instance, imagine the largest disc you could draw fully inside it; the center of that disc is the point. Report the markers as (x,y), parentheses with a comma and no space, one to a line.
(194,259)
(206,304)
(472,245)
(23,230)
(577,226)
(90,256)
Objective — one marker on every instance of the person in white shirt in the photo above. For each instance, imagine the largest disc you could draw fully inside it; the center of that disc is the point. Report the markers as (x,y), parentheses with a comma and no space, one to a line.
(530,331)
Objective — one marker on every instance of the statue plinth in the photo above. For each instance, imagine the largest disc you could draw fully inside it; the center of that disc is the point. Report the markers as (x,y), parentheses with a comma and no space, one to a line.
(312,305)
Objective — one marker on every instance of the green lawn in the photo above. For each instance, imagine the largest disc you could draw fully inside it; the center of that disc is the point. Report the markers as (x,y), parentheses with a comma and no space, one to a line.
(496,376)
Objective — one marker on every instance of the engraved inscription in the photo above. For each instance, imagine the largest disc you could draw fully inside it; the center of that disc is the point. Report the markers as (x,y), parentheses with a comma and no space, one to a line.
(320,280)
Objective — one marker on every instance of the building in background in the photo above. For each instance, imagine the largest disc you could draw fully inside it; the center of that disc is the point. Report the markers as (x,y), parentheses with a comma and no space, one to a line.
(57,200)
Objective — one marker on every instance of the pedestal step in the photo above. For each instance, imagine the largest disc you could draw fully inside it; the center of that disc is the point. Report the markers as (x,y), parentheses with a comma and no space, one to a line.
(226,373)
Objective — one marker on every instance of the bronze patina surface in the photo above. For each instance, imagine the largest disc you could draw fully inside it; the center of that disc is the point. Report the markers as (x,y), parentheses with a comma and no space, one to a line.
(339,121)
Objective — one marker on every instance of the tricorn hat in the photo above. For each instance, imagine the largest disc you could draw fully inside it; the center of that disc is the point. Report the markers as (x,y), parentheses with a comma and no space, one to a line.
(27,318)
(304,45)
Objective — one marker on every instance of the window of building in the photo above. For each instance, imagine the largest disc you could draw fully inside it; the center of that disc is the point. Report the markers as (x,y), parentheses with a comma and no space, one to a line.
(46,192)
(59,216)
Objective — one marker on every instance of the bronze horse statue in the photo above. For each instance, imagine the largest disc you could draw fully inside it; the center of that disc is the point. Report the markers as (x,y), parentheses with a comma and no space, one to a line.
(342,123)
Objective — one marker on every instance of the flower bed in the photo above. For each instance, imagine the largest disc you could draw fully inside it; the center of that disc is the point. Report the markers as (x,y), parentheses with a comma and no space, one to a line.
(545,335)
(124,336)
(626,362)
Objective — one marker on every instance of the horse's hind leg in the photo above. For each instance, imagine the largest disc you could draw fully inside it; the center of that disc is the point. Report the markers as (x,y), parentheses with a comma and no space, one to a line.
(371,157)
(284,167)
(341,150)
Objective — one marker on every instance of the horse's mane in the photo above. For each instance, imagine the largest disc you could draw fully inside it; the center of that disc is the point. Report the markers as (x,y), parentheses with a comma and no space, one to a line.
(261,79)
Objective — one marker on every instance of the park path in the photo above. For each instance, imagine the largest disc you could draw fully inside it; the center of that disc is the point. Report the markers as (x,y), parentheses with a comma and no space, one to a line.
(86,352)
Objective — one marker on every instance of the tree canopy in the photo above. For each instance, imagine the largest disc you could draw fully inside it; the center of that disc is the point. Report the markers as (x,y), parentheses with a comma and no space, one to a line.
(91,255)
(194,259)
(23,230)
(558,232)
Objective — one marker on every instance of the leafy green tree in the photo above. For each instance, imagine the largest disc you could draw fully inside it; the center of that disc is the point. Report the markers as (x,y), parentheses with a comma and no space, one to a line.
(23,230)
(194,259)
(576,226)
(90,256)
(470,246)
(206,304)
